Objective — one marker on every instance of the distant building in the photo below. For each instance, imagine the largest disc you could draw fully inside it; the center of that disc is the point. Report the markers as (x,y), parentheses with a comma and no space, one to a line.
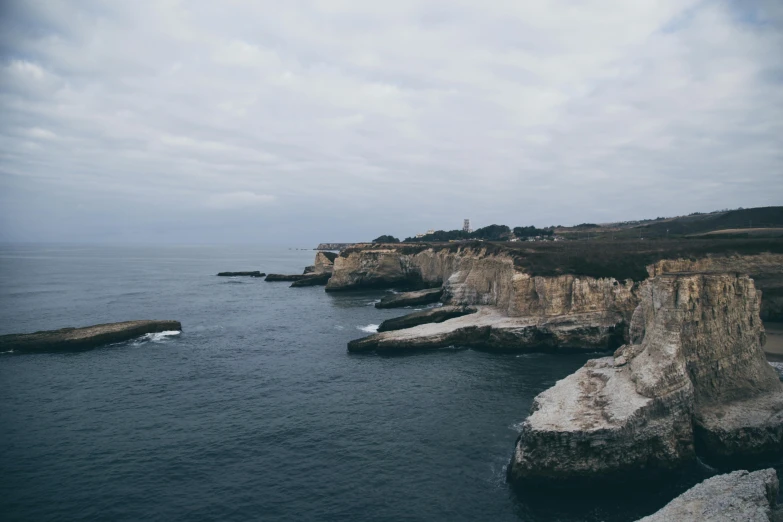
(466,226)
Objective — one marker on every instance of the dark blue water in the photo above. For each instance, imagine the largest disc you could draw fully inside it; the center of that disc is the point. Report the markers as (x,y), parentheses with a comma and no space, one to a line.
(256,411)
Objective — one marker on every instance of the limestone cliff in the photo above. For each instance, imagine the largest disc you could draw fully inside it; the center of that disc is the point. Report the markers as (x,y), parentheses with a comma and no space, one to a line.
(766,270)
(696,357)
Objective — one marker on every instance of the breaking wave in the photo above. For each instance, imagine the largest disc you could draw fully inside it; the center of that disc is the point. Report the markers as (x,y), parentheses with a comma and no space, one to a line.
(159,336)
(370,328)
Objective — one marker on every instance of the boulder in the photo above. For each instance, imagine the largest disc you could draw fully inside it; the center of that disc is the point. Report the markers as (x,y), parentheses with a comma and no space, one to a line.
(254,273)
(741,495)
(416,298)
(71,339)
(695,359)
(433,315)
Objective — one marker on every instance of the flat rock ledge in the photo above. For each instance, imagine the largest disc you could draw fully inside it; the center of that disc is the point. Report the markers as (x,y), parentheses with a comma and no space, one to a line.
(285,277)
(489,329)
(433,315)
(415,298)
(741,495)
(73,339)
(693,381)
(312,279)
(254,273)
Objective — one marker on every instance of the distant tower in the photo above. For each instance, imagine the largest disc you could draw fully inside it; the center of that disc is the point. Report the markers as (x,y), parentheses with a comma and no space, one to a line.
(466,226)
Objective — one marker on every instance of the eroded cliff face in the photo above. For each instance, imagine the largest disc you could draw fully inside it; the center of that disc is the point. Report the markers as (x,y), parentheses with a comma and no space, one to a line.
(696,359)
(471,276)
(765,269)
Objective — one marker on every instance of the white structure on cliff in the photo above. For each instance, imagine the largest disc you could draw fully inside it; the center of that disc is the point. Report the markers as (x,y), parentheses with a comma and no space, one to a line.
(466,226)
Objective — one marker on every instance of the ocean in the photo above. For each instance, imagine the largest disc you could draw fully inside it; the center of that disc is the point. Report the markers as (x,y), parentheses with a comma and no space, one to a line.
(256,411)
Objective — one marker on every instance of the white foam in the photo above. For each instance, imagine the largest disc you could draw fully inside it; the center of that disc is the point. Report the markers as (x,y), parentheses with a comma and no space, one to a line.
(372,303)
(370,328)
(339,327)
(778,366)
(159,336)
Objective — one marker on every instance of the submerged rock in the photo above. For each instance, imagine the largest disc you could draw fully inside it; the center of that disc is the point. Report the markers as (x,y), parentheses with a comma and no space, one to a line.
(697,360)
(433,315)
(415,298)
(741,495)
(67,339)
(254,273)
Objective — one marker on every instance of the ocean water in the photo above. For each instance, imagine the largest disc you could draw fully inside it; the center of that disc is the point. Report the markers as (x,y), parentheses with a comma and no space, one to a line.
(255,411)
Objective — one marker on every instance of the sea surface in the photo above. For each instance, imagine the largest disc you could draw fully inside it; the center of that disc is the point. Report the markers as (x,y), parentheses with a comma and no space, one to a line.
(256,411)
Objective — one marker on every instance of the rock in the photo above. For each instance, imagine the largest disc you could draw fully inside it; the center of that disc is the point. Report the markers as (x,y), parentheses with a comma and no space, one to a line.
(416,298)
(333,246)
(740,495)
(254,273)
(67,339)
(309,269)
(324,261)
(313,279)
(696,358)
(433,315)
(285,277)
(488,329)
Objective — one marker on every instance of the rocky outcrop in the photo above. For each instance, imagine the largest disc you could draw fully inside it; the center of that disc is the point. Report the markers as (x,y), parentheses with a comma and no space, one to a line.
(415,298)
(285,277)
(740,495)
(324,262)
(313,279)
(695,357)
(254,273)
(333,246)
(433,315)
(765,269)
(71,339)
(488,329)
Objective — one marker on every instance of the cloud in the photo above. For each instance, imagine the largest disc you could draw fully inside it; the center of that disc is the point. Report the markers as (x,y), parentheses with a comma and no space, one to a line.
(364,118)
(236,200)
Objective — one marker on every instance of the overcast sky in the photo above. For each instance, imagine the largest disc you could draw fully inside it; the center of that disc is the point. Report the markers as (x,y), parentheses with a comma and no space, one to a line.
(296,122)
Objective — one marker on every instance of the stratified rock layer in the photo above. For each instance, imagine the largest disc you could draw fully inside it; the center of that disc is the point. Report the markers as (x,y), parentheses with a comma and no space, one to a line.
(433,315)
(741,495)
(67,339)
(415,298)
(696,356)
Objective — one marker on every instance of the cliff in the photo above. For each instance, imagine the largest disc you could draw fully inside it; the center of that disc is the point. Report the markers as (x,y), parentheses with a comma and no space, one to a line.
(741,495)
(693,379)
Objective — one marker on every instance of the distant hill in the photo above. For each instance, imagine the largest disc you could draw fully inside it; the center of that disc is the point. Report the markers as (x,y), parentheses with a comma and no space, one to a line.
(735,223)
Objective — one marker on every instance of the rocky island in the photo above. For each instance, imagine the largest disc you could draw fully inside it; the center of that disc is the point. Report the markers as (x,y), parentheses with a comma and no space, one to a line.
(73,339)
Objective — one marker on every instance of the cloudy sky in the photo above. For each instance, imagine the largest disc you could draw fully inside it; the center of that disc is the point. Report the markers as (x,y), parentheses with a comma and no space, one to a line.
(303,121)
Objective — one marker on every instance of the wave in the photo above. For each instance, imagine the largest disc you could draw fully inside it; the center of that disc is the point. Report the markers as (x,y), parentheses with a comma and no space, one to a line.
(372,303)
(370,328)
(779,367)
(159,336)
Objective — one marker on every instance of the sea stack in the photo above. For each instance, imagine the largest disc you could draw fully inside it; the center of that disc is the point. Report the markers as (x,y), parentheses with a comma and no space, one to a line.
(695,357)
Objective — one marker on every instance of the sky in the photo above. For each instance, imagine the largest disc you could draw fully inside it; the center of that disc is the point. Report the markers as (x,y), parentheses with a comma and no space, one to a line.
(301,121)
